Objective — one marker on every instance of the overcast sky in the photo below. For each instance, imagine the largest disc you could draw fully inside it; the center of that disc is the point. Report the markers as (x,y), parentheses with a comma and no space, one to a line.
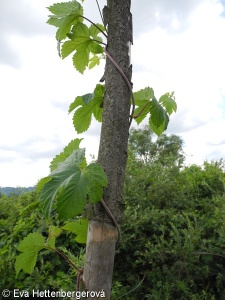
(178,46)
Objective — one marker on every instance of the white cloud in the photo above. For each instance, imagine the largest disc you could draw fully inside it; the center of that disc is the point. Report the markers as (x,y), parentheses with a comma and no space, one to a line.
(36,100)
(192,64)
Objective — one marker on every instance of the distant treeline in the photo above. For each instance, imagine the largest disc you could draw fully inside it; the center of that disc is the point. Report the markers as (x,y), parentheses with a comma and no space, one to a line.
(15,190)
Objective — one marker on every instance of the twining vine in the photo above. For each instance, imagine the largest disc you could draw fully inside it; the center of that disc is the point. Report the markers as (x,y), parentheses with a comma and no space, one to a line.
(72,183)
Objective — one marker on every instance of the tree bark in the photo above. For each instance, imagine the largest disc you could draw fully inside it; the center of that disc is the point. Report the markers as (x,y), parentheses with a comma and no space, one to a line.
(102,233)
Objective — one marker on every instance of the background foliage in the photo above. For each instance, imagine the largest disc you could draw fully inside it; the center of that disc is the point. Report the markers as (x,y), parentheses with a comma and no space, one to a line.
(19,216)
(174,233)
(173,237)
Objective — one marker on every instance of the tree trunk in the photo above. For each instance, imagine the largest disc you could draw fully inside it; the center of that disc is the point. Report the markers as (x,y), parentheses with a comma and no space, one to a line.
(102,233)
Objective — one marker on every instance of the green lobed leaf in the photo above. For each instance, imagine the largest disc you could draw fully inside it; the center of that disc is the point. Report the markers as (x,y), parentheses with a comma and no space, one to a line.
(59,176)
(81,39)
(144,94)
(34,241)
(65,26)
(82,118)
(168,102)
(142,100)
(80,228)
(91,105)
(26,262)
(81,59)
(77,157)
(65,15)
(158,113)
(30,246)
(66,8)
(55,21)
(67,151)
(94,31)
(160,129)
(95,60)
(95,48)
(80,32)
(68,47)
(94,176)
(71,182)
(82,43)
(77,102)
(87,98)
(146,103)
(72,197)
(98,98)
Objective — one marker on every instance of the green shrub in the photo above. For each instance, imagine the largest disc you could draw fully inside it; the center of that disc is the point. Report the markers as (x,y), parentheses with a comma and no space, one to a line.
(19,216)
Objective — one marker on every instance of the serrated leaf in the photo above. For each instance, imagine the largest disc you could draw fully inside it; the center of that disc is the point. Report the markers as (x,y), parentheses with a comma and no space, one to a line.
(95,60)
(81,60)
(168,102)
(30,246)
(41,183)
(59,178)
(82,43)
(68,47)
(34,241)
(144,94)
(72,197)
(65,25)
(55,21)
(65,15)
(71,183)
(147,104)
(83,115)
(82,118)
(142,100)
(87,98)
(77,157)
(54,232)
(26,262)
(94,176)
(94,31)
(98,98)
(65,8)
(67,151)
(77,102)
(79,228)
(158,113)
(158,129)
(80,31)
(95,48)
